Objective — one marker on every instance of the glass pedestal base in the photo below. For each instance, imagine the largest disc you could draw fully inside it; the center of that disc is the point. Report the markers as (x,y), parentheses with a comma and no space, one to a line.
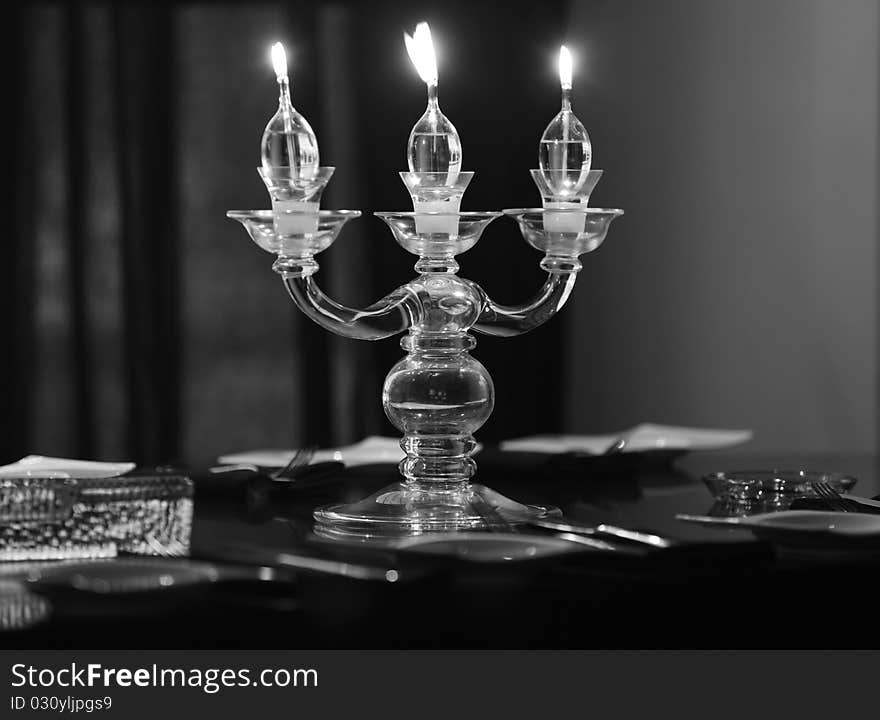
(402,511)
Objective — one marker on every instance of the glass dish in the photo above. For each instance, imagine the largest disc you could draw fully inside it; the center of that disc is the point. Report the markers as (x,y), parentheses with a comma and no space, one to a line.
(743,492)
(483,547)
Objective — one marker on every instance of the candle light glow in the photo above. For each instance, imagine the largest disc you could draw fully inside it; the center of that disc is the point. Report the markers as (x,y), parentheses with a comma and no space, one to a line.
(565,68)
(279,61)
(420,47)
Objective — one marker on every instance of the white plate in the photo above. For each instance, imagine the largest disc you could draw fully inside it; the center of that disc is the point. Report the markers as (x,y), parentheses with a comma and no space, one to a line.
(125,575)
(642,438)
(802,527)
(366,452)
(40,466)
(369,451)
(491,547)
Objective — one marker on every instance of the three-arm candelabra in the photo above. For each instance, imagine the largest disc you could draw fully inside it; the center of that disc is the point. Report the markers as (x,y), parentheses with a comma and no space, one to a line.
(437,395)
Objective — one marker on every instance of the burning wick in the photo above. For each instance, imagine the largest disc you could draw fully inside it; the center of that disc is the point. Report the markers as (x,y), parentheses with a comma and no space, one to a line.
(565,65)
(279,62)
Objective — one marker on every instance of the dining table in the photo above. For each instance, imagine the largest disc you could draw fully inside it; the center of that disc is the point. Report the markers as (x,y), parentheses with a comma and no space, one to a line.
(714,588)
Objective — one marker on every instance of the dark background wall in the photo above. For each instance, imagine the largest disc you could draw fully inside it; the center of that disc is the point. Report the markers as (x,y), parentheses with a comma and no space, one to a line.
(739,289)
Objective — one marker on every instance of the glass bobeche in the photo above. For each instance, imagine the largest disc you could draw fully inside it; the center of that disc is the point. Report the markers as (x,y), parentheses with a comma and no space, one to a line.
(564,233)
(437,234)
(317,230)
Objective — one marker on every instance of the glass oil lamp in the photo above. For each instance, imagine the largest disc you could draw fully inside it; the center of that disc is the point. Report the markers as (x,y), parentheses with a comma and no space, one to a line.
(565,153)
(289,160)
(289,143)
(435,180)
(434,145)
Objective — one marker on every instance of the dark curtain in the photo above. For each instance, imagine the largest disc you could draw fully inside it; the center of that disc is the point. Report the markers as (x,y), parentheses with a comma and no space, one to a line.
(91,311)
(139,322)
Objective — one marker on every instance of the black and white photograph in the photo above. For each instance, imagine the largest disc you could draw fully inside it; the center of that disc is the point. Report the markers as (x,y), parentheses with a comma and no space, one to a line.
(396,334)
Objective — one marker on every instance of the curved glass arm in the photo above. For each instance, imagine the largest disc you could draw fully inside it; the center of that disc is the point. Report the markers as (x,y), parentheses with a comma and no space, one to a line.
(392,314)
(504,321)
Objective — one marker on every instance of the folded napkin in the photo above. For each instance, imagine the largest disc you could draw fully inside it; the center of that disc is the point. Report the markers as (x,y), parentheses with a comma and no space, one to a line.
(641,438)
(369,451)
(40,466)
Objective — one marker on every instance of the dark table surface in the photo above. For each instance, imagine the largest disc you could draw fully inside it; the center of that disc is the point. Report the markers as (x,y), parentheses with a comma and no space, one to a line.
(724,589)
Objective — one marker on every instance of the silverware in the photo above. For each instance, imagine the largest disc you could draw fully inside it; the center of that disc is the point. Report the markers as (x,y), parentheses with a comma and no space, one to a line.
(361,570)
(604,529)
(300,460)
(834,499)
(712,520)
(141,574)
(591,542)
(617,446)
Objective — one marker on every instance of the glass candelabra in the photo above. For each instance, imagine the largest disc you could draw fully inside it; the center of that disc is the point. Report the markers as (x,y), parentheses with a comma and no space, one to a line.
(438,396)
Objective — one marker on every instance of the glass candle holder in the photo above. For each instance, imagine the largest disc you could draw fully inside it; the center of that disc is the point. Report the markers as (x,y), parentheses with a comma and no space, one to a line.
(437,395)
(436,197)
(296,196)
(563,235)
(315,232)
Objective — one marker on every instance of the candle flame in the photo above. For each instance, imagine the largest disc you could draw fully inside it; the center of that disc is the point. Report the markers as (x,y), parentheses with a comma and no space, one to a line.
(279,61)
(565,68)
(420,47)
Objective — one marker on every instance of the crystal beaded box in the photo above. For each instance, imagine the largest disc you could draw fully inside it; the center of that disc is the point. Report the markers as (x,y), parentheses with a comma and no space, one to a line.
(147,514)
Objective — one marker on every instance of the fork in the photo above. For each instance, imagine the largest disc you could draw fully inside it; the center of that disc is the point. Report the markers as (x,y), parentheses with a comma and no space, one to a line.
(605,532)
(300,460)
(617,446)
(835,500)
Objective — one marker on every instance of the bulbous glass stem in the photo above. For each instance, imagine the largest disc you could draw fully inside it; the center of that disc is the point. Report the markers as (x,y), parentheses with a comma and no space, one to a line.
(391,315)
(438,396)
(505,321)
